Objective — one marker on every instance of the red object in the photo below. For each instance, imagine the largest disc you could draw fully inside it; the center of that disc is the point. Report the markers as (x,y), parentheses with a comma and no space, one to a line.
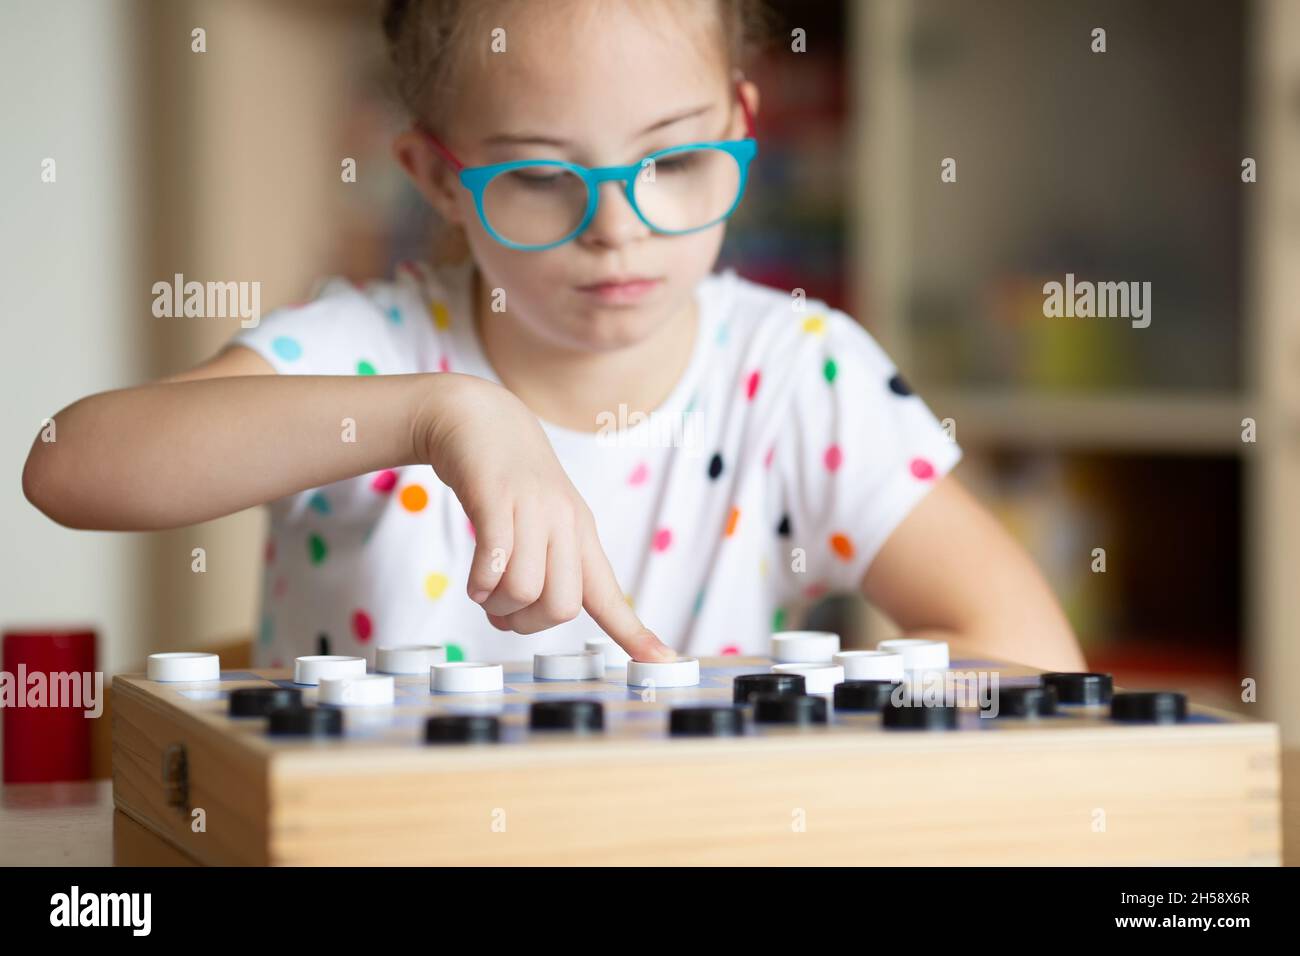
(46,743)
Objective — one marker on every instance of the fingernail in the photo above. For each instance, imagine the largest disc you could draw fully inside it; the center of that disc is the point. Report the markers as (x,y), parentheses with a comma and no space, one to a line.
(478,597)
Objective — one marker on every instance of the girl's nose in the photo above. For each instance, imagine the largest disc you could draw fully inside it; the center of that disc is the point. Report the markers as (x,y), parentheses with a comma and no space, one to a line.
(615,222)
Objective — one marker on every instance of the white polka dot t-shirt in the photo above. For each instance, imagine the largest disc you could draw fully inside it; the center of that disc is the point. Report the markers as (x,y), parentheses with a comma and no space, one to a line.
(773,473)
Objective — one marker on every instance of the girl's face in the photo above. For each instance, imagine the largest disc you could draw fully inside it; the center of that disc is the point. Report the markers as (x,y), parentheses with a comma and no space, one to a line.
(597,85)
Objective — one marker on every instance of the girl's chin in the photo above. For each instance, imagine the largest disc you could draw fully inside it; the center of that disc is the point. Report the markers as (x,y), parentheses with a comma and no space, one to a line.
(603,329)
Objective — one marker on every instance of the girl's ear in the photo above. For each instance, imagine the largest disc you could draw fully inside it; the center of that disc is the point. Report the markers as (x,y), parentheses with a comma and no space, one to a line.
(430,173)
(749,93)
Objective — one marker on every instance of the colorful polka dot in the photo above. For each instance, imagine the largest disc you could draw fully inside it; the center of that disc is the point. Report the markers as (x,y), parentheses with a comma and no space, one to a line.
(639,474)
(783,529)
(365,368)
(469,526)
(830,370)
(842,545)
(362,626)
(316,548)
(413,498)
(444,364)
(699,602)
(663,539)
(287,348)
(731,650)
(269,553)
(455,653)
(384,481)
(394,315)
(724,331)
(441,317)
(732,520)
(280,587)
(833,458)
(814,325)
(922,469)
(715,466)
(435,585)
(751,385)
(767,459)
(814,591)
(319,503)
(266,633)
(778,619)
(898,385)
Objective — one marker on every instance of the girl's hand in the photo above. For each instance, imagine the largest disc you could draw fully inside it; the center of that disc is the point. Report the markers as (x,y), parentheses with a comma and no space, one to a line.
(537,558)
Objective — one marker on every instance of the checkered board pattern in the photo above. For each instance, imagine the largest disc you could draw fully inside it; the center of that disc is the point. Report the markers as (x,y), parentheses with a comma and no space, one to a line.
(1016,790)
(630,713)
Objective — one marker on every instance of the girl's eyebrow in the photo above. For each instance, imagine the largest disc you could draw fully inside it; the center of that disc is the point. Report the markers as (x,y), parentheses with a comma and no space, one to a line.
(533,139)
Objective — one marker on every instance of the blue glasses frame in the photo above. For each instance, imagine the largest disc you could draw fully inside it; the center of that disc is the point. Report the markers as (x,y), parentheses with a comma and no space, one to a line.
(476,178)
(476,181)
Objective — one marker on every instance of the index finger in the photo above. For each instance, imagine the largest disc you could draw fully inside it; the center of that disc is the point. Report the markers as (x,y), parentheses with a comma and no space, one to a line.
(604,601)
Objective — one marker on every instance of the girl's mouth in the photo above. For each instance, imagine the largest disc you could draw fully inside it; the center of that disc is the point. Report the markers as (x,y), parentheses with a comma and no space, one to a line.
(627,291)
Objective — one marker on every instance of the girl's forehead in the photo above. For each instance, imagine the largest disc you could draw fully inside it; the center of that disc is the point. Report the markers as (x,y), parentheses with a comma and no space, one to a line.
(621,71)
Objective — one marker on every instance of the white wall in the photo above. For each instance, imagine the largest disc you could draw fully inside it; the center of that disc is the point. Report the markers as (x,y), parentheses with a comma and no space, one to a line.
(69,267)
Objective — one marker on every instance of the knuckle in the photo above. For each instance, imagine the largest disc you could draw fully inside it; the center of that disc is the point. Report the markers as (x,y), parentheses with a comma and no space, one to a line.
(523,591)
(491,562)
(565,511)
(488,500)
(562,608)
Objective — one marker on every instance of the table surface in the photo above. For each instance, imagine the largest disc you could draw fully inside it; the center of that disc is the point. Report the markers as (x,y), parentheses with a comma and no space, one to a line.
(71,824)
(57,824)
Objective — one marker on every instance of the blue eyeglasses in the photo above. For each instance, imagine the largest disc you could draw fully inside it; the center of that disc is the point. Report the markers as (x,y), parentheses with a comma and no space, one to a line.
(536,204)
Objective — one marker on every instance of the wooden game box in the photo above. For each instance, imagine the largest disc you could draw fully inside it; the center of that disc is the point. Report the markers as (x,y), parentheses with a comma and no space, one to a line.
(194,786)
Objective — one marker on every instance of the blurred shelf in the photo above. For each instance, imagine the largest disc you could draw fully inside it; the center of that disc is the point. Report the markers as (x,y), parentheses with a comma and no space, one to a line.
(1166,655)
(1210,674)
(937,78)
(1111,421)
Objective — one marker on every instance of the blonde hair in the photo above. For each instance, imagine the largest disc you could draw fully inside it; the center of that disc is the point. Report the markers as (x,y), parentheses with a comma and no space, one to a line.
(426,39)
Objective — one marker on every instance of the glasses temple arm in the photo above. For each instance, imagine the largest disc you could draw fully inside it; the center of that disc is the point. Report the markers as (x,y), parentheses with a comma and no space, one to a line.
(442,150)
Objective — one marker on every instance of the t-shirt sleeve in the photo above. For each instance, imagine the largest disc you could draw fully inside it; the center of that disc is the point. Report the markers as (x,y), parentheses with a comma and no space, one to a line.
(856,454)
(343,331)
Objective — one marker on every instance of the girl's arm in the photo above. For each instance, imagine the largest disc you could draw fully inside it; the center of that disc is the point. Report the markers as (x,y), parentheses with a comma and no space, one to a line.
(949,571)
(229,435)
(220,438)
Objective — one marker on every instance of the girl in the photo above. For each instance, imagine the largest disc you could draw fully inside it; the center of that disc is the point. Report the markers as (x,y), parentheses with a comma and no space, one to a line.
(578,415)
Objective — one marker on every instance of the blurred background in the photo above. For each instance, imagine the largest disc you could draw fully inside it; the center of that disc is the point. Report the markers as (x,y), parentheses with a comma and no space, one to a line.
(1080,433)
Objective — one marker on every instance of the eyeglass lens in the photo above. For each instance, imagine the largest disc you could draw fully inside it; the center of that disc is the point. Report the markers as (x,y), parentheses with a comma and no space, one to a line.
(538,205)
